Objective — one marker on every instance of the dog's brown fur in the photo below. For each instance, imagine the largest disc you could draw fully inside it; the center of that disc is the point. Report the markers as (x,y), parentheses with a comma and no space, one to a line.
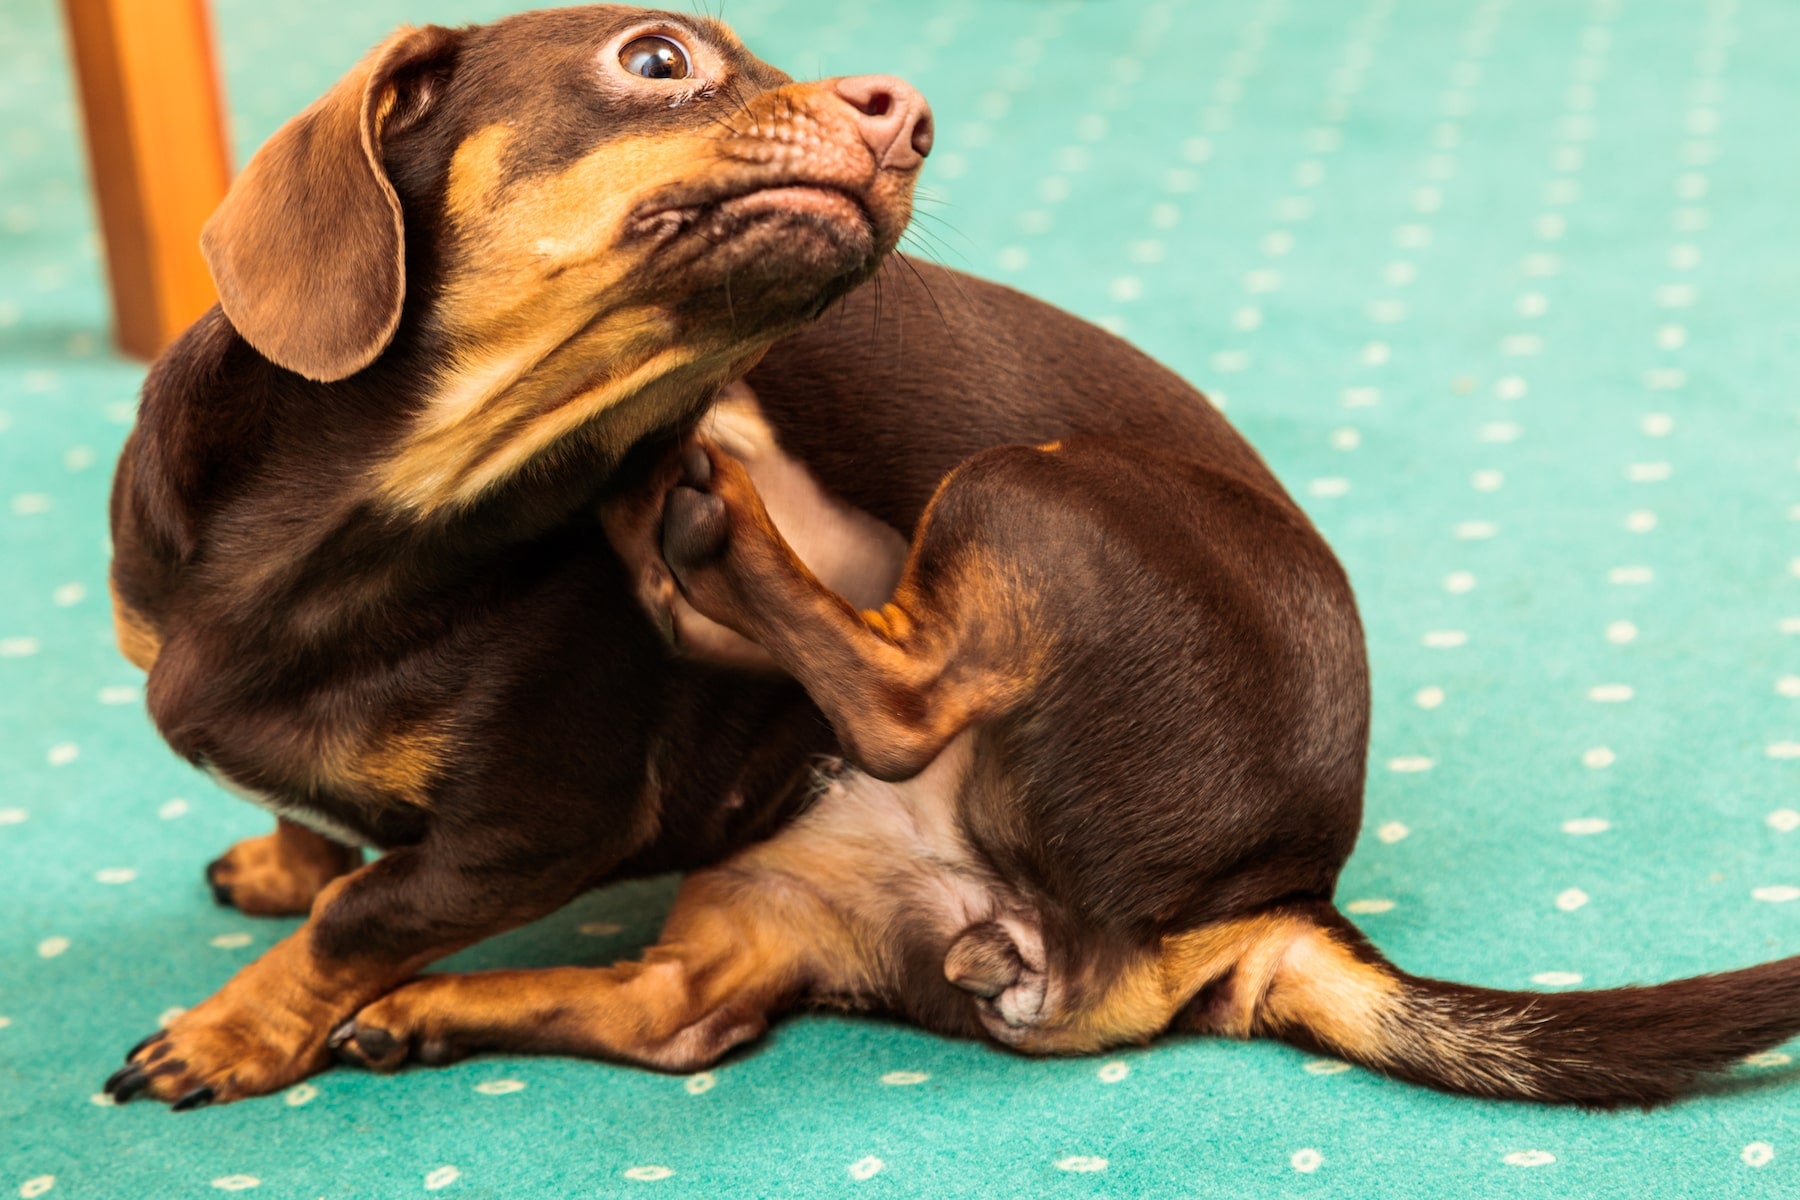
(392,541)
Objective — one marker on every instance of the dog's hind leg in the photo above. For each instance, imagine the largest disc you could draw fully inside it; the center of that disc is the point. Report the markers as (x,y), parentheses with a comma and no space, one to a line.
(740,946)
(949,650)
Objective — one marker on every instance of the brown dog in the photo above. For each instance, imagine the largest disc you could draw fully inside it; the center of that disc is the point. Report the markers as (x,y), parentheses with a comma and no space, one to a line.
(356,528)
(392,521)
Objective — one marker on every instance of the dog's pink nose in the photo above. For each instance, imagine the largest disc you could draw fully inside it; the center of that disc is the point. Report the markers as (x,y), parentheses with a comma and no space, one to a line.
(894,119)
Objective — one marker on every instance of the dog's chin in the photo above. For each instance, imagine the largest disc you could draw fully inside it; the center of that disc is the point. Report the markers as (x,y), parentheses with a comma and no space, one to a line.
(783,254)
(772,258)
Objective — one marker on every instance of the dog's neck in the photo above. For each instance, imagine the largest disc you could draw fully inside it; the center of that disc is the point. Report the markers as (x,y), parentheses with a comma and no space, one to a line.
(257,491)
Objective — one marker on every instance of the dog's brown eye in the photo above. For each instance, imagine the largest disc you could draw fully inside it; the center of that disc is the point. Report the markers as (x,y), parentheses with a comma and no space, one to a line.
(654,58)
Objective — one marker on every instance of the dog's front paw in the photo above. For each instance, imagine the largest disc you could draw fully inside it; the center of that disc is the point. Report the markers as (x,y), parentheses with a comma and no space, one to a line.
(278,874)
(213,1054)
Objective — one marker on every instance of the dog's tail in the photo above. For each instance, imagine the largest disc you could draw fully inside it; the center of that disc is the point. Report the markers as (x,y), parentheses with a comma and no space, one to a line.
(1318,983)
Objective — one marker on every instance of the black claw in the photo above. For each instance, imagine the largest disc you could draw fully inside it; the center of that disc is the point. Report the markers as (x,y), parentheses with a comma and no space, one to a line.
(126,1082)
(200,1097)
(376,1044)
(343,1045)
(158,1036)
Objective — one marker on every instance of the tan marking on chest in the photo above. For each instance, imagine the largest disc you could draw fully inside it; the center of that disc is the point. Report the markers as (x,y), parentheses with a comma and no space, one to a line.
(400,765)
(366,768)
(138,640)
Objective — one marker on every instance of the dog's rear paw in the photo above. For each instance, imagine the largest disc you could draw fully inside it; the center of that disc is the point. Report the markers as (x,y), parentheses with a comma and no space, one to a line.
(414,1023)
(1001,964)
(712,519)
(717,539)
(696,529)
(696,524)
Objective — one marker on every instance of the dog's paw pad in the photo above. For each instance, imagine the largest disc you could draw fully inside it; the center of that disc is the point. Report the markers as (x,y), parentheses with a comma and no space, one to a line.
(1001,965)
(696,466)
(1021,1005)
(983,961)
(696,528)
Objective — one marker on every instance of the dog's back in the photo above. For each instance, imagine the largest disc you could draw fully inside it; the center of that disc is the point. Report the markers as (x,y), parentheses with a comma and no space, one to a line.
(926,367)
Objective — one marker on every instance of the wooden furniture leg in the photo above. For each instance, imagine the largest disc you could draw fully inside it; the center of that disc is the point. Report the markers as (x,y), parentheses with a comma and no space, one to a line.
(156,143)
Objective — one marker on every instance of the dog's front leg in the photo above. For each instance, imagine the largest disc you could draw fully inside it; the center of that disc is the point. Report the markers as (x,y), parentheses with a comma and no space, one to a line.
(271,1025)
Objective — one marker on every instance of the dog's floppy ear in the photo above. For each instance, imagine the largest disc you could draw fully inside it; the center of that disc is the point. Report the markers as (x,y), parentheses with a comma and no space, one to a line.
(308,247)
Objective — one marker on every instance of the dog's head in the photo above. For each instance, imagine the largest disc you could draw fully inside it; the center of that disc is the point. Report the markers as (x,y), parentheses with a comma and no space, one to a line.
(562,214)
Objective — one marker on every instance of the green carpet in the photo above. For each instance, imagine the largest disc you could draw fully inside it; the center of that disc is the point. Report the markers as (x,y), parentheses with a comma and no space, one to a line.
(1508,293)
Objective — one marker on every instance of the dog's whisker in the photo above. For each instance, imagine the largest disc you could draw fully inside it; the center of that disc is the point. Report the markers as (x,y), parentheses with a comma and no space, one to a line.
(929,294)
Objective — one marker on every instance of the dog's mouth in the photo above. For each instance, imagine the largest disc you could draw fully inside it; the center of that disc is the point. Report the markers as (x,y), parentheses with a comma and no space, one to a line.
(762,251)
(714,218)
(805,200)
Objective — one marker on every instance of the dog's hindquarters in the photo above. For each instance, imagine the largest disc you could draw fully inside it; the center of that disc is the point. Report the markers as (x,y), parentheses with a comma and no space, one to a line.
(1165,659)
(1191,745)
(1165,673)
(827,912)
(1158,668)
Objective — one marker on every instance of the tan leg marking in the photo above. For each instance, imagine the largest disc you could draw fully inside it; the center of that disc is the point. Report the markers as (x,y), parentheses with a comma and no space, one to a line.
(739,947)
(266,1028)
(279,874)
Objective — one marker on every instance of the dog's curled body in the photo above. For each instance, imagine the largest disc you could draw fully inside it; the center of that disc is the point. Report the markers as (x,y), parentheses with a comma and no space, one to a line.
(406,527)
(1105,749)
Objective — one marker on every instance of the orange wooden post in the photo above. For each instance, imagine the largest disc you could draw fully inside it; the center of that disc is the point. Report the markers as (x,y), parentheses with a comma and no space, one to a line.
(156,144)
